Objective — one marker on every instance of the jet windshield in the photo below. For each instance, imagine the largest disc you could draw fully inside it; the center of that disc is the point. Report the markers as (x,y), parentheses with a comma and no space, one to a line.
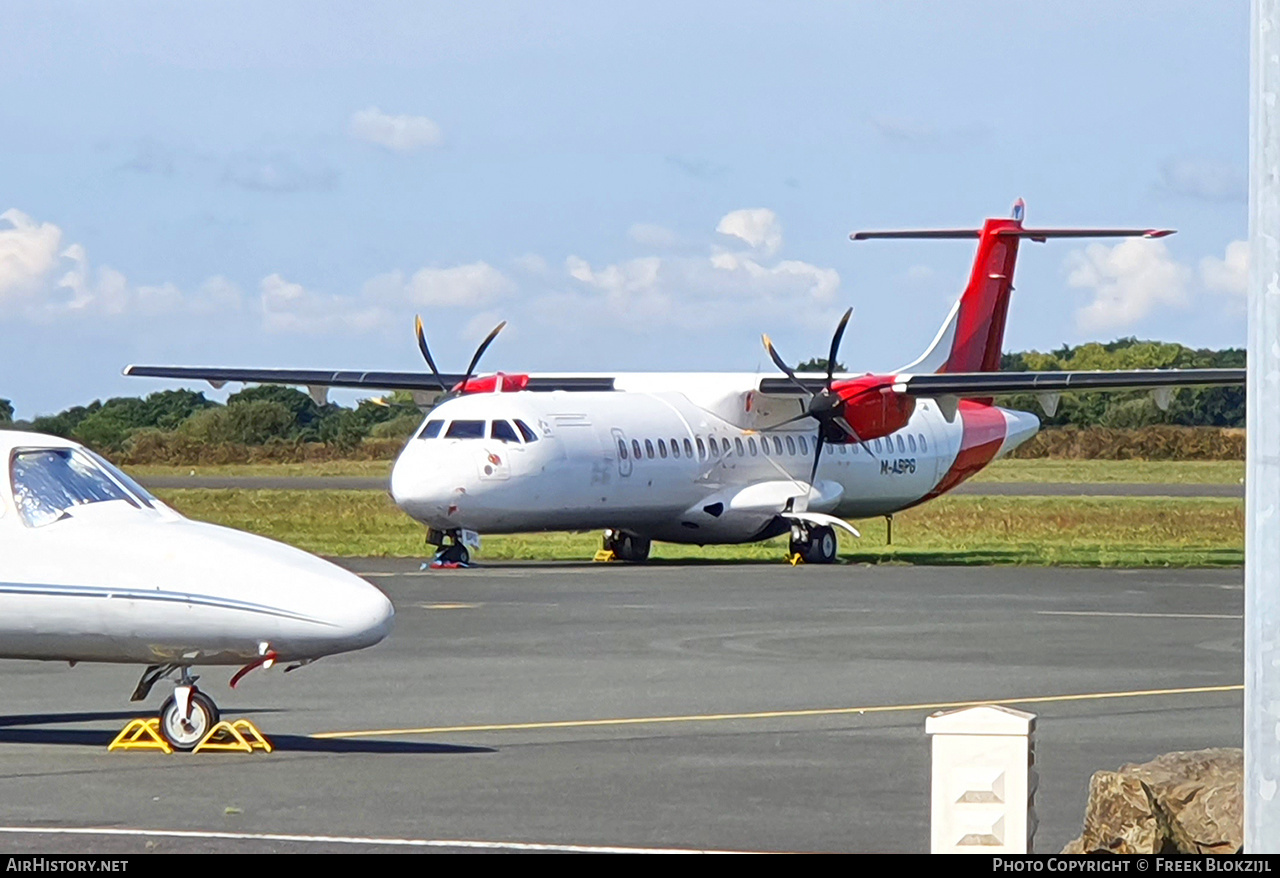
(48,482)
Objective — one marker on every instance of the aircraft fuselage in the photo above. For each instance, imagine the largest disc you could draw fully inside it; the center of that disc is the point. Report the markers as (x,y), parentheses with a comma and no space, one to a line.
(659,465)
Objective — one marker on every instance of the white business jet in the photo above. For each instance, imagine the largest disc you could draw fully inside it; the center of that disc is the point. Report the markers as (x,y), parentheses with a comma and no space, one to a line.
(95,569)
(723,457)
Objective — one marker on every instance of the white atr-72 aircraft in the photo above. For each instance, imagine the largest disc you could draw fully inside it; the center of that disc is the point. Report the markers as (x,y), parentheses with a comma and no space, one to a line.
(95,569)
(722,457)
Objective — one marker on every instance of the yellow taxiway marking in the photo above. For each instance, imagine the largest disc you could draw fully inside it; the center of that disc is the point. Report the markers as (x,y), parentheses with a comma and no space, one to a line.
(774,714)
(1138,615)
(448,606)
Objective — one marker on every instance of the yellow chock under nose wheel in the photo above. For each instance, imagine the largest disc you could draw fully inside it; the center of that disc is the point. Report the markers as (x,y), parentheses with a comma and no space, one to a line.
(240,736)
(795,559)
(141,734)
(604,555)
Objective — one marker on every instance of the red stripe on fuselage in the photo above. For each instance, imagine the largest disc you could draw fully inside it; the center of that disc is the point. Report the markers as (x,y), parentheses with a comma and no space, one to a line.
(983,430)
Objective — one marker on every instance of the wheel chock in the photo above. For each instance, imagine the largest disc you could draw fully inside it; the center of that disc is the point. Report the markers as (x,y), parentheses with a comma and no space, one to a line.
(141,734)
(604,556)
(241,736)
(795,559)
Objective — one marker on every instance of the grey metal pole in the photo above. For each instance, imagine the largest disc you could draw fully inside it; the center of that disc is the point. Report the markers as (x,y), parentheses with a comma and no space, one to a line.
(1262,494)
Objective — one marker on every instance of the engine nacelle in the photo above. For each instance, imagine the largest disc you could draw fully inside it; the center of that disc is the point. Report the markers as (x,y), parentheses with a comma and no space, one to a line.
(872,407)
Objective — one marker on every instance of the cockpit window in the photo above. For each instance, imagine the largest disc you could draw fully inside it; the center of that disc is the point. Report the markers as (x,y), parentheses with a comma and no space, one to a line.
(145,496)
(528,434)
(49,482)
(431,430)
(465,430)
(503,432)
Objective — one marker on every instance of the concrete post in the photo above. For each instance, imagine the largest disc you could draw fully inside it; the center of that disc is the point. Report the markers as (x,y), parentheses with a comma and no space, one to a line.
(1262,494)
(984,786)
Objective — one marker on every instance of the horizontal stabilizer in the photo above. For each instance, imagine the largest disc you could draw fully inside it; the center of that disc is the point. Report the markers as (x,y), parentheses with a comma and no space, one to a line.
(1013,232)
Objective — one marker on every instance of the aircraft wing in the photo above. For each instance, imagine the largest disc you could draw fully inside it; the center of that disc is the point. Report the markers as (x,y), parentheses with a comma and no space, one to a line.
(984,384)
(319,379)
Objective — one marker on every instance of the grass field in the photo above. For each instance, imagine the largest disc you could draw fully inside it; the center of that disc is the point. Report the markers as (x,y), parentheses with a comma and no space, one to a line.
(1112,532)
(1162,472)
(1082,471)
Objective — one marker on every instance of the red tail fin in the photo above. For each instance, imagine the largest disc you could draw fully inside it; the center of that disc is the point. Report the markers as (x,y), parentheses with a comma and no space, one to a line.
(971,338)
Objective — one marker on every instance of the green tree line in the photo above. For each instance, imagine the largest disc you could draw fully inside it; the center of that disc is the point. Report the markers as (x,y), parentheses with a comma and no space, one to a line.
(257,415)
(1190,406)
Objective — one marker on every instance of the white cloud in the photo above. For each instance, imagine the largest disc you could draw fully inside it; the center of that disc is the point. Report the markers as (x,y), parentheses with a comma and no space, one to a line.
(1204,179)
(397,133)
(28,255)
(652,235)
(41,280)
(462,286)
(758,226)
(1230,274)
(690,292)
(383,302)
(291,307)
(1129,281)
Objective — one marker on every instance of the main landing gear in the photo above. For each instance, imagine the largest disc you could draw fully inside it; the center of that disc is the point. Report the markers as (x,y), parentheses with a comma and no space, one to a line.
(188,714)
(626,547)
(814,545)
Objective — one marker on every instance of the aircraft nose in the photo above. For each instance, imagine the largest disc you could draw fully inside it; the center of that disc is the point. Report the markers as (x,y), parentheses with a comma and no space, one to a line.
(420,484)
(359,613)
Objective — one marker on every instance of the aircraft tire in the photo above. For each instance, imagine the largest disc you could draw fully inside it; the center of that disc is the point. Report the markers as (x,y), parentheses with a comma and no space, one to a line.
(633,548)
(186,734)
(820,548)
(455,554)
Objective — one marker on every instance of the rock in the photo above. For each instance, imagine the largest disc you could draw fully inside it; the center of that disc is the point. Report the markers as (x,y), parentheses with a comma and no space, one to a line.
(1187,802)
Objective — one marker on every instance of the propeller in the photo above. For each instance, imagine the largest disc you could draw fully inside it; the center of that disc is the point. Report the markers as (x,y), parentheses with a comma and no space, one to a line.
(471,367)
(824,406)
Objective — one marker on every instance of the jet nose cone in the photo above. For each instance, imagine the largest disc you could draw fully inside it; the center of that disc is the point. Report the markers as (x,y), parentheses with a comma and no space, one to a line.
(367,617)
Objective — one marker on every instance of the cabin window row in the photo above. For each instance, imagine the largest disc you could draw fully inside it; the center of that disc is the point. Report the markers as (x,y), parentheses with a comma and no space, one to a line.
(769,445)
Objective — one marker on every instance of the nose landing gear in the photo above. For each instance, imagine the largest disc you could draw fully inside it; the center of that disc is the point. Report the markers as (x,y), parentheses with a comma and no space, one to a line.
(452,551)
(188,714)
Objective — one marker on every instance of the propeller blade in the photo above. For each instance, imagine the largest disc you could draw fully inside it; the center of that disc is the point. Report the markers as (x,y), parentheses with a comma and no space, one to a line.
(817,457)
(781,364)
(848,428)
(480,351)
(800,417)
(426,353)
(835,345)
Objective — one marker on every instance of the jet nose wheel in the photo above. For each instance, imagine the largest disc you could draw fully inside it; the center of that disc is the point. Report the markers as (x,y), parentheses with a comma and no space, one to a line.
(185,732)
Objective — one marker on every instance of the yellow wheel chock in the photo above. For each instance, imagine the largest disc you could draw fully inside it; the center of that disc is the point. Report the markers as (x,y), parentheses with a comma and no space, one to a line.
(795,559)
(240,735)
(141,734)
(605,555)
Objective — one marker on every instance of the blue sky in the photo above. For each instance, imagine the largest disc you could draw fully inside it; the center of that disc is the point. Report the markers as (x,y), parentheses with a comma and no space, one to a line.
(632,188)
